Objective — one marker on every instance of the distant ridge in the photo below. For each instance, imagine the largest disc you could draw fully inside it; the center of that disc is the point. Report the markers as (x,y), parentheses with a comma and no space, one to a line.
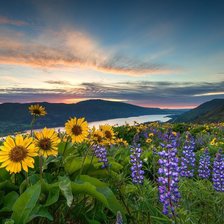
(208,112)
(15,116)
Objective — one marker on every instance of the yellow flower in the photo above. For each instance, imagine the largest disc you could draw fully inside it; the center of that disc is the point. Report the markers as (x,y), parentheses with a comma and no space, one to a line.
(121,141)
(148,140)
(37,110)
(16,154)
(47,142)
(97,136)
(108,133)
(213,142)
(151,134)
(77,129)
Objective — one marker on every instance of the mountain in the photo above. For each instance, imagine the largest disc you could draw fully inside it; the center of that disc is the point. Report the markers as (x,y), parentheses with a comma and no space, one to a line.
(211,111)
(15,116)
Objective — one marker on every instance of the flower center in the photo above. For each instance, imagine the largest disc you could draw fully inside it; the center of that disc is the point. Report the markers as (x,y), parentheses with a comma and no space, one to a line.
(108,134)
(36,111)
(77,130)
(45,144)
(18,153)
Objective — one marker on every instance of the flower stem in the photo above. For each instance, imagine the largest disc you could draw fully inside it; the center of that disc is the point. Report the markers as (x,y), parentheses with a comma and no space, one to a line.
(31,125)
(83,161)
(41,166)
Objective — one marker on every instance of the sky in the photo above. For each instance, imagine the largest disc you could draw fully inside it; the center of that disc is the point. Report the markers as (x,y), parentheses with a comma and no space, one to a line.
(167,54)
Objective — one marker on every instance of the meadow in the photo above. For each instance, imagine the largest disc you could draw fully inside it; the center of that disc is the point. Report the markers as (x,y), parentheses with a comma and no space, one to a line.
(154,173)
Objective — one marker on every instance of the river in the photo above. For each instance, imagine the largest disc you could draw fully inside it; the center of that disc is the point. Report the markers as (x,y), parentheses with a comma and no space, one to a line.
(129,120)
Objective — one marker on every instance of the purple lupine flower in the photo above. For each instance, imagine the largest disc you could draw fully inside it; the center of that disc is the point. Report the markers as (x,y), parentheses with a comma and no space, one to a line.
(101,153)
(168,178)
(136,168)
(218,173)
(119,219)
(204,164)
(188,158)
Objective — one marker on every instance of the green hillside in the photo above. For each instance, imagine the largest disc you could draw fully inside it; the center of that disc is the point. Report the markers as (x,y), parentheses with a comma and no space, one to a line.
(211,111)
(15,116)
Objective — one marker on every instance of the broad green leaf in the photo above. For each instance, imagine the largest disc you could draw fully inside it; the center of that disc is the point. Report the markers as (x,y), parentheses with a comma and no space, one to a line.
(115,166)
(40,211)
(53,195)
(33,179)
(73,164)
(25,204)
(99,190)
(8,201)
(90,189)
(65,186)
(65,148)
(97,173)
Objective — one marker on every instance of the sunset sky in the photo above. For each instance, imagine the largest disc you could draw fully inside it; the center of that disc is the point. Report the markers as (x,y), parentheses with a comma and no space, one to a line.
(167,54)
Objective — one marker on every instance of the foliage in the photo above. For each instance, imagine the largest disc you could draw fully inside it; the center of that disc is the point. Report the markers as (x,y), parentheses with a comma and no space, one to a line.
(72,187)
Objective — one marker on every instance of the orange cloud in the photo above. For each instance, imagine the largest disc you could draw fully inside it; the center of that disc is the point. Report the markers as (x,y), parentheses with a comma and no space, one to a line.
(69,49)
(7,21)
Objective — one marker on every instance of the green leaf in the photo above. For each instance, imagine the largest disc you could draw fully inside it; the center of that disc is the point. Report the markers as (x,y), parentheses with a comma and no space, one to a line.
(99,190)
(8,201)
(25,204)
(7,186)
(53,195)
(115,166)
(40,211)
(88,188)
(65,186)
(92,221)
(164,220)
(65,148)
(50,160)
(9,221)
(33,179)
(73,164)
(4,174)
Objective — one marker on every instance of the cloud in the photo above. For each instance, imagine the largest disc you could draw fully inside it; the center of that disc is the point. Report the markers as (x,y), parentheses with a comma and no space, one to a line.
(57,82)
(70,48)
(152,94)
(8,21)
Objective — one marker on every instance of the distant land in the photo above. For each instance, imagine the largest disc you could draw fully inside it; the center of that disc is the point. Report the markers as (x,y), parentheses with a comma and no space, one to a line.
(208,112)
(15,117)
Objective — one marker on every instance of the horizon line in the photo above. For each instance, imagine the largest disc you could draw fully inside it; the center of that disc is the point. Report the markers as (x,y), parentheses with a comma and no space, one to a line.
(163,107)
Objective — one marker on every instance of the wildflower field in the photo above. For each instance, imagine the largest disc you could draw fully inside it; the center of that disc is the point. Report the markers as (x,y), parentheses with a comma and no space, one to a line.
(153,173)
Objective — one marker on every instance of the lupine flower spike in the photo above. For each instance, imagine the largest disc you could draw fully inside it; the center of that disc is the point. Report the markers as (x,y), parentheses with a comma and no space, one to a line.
(204,164)
(169,178)
(136,168)
(101,153)
(188,158)
(218,173)
(119,219)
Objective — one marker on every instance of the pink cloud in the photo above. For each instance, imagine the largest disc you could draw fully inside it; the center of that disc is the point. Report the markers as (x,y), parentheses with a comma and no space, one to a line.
(7,21)
(69,49)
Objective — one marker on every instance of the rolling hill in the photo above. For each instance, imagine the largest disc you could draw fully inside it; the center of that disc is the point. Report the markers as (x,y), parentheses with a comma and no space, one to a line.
(211,111)
(16,117)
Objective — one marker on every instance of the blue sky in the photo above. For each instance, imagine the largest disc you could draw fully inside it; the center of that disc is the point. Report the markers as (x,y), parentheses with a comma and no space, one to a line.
(149,53)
